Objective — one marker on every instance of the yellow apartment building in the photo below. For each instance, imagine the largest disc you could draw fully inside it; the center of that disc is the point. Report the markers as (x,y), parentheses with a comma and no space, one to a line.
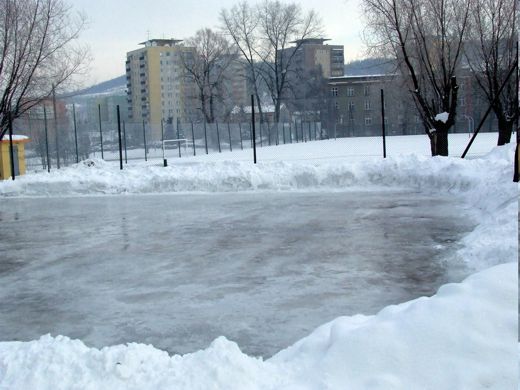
(157,88)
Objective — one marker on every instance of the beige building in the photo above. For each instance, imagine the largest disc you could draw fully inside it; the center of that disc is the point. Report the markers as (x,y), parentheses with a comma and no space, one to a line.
(313,53)
(156,83)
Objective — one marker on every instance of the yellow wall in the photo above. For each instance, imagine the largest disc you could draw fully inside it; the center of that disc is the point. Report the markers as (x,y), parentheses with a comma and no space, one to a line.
(5,160)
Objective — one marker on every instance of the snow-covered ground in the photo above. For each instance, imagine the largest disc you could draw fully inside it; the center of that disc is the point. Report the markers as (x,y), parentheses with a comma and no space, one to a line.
(464,337)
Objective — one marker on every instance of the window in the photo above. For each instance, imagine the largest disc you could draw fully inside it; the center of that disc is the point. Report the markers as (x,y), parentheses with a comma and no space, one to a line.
(462,101)
(334,91)
(367,90)
(368,106)
(368,121)
(336,105)
(351,106)
(350,91)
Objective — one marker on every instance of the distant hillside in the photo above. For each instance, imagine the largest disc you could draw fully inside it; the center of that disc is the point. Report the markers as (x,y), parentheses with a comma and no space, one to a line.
(115,86)
(370,66)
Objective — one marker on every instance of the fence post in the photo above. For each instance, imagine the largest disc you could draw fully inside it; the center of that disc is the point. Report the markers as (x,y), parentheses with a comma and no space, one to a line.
(165,162)
(46,138)
(383,121)
(75,131)
(56,127)
(124,138)
(229,134)
(251,134)
(261,135)
(205,137)
(100,131)
(296,130)
(277,133)
(193,139)
(218,138)
(253,127)
(179,136)
(240,132)
(119,136)
(310,133)
(144,141)
(283,132)
(11,146)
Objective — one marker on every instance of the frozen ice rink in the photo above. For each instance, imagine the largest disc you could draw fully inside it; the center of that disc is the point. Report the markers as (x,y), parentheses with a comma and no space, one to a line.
(179,270)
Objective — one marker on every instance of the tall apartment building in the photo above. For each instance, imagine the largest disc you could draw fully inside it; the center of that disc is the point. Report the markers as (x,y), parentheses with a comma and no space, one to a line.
(313,53)
(156,83)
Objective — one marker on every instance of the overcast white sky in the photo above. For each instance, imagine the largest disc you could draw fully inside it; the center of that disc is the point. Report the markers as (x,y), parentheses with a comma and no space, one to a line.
(117,26)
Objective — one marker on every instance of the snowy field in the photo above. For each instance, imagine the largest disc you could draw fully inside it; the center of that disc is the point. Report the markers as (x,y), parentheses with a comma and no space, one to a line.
(463,337)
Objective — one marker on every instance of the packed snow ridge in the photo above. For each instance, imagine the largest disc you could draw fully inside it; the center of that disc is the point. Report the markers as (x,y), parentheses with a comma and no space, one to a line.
(464,337)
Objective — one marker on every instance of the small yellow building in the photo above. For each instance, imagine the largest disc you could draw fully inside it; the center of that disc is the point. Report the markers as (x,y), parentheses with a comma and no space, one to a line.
(19,142)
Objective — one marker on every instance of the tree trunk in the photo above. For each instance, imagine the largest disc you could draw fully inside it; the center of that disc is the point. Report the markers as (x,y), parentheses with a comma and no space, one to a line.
(442,143)
(439,143)
(516,176)
(505,129)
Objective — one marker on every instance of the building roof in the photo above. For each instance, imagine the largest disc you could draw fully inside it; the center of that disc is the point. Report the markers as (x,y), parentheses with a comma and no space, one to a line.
(161,42)
(315,41)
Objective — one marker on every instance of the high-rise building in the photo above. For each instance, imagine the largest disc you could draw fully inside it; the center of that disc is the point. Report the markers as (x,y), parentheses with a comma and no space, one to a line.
(156,83)
(313,53)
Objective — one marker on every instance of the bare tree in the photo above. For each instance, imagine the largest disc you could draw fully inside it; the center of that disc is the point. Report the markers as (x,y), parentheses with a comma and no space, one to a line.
(242,25)
(491,54)
(38,53)
(206,67)
(282,25)
(427,37)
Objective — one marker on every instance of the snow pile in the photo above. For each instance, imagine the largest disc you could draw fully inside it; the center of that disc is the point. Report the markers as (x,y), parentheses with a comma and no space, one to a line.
(443,117)
(15,137)
(462,338)
(99,177)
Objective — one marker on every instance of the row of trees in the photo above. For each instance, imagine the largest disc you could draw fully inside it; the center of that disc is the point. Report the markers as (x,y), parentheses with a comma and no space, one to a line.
(434,41)
(259,35)
(38,53)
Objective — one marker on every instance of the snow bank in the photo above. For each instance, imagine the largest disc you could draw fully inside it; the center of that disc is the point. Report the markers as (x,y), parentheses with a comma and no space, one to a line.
(93,177)
(462,338)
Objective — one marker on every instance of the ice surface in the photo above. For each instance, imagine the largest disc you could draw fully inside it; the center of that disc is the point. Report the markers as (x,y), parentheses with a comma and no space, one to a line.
(177,271)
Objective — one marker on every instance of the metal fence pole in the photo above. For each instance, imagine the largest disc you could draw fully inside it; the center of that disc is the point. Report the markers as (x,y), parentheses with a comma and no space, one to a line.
(11,146)
(75,131)
(144,141)
(46,138)
(179,136)
(124,138)
(100,131)
(205,137)
(229,134)
(119,135)
(56,128)
(253,127)
(165,162)
(383,121)
(193,140)
(218,139)
(240,132)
